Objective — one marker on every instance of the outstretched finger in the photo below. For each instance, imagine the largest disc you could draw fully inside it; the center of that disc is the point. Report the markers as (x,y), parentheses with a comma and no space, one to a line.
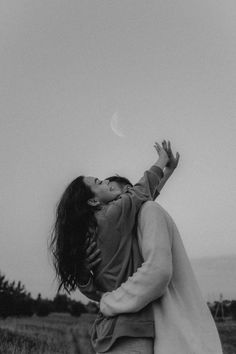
(90,249)
(164,145)
(157,144)
(177,158)
(157,147)
(87,240)
(93,255)
(169,147)
(94,263)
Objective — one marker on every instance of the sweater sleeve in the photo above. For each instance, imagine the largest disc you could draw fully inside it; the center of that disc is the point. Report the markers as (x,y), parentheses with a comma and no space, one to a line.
(152,278)
(123,211)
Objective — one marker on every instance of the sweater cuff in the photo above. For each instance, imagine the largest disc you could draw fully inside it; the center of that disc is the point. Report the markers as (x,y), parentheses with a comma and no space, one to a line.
(158,171)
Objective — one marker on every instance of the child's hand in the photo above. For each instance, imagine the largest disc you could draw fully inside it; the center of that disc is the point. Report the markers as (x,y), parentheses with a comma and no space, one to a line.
(162,153)
(173,160)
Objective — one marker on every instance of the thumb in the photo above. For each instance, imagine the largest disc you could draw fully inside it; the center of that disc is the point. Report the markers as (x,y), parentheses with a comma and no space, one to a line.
(177,158)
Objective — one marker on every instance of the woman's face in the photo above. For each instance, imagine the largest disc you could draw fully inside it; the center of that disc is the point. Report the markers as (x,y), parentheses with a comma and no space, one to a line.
(104,191)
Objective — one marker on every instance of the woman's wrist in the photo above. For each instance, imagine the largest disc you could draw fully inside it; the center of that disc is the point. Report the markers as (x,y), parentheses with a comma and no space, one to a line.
(85,277)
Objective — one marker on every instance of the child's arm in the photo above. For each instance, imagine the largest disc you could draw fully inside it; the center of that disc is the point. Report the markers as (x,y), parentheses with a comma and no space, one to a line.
(122,212)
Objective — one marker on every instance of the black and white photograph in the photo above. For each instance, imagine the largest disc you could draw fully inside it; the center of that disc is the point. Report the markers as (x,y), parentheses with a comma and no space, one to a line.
(118,177)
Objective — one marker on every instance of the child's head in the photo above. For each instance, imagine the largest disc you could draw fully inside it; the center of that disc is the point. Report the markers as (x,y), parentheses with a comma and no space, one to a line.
(102,190)
(119,183)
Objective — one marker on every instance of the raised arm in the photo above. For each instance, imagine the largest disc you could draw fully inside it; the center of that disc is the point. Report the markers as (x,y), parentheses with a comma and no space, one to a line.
(152,278)
(149,182)
(123,211)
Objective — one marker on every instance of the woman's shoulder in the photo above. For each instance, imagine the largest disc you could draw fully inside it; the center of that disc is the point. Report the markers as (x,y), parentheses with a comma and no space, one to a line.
(108,211)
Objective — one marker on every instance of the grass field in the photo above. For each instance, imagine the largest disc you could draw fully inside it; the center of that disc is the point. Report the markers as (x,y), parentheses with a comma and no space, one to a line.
(64,334)
(47,335)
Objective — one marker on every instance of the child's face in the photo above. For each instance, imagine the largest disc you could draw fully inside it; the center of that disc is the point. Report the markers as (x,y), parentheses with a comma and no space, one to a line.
(104,191)
(116,187)
(120,187)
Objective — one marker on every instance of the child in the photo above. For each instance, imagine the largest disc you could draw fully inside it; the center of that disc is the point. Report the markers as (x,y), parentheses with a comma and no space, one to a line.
(88,203)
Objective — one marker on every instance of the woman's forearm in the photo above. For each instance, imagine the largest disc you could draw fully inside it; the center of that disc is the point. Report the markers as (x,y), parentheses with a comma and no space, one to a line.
(146,285)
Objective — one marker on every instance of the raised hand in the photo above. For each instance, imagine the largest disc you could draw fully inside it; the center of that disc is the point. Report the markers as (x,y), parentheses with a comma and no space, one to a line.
(162,153)
(173,160)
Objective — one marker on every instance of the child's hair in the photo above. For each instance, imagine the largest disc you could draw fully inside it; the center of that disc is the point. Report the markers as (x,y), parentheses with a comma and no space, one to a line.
(74,220)
(120,180)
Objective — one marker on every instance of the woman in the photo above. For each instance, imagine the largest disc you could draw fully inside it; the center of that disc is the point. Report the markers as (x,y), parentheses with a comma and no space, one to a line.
(183,322)
(88,203)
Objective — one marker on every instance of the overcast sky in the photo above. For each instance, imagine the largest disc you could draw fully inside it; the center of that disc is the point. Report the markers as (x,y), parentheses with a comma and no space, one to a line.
(163,69)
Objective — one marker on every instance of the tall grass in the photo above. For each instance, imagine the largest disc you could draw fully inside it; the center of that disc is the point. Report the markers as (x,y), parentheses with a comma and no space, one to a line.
(35,335)
(81,334)
(64,334)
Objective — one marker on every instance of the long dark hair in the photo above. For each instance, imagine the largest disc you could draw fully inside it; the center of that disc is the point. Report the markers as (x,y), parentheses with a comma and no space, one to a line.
(74,220)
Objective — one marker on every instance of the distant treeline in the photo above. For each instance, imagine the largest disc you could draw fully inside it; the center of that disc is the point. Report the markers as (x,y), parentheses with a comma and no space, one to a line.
(16,301)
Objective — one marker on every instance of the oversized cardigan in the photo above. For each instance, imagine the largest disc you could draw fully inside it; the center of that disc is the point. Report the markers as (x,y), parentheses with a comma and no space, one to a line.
(183,322)
(117,240)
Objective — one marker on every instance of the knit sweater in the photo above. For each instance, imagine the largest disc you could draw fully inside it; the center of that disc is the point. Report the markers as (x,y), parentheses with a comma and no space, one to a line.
(183,322)
(117,240)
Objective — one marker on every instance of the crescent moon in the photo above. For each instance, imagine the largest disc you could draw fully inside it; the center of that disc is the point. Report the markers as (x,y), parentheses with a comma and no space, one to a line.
(115,125)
